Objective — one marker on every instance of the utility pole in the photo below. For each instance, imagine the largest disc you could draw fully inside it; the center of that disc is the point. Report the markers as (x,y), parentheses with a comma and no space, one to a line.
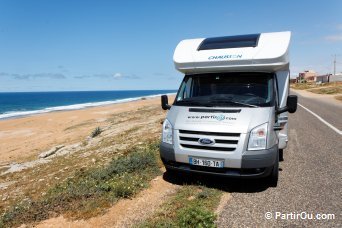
(335,64)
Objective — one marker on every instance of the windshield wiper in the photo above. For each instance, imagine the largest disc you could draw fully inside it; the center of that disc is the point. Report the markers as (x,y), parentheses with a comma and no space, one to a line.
(248,105)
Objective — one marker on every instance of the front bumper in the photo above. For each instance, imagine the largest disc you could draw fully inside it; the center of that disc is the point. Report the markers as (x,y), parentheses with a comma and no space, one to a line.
(254,164)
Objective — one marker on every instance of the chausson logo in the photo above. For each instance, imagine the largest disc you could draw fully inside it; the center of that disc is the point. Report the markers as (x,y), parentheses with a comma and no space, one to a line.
(214,57)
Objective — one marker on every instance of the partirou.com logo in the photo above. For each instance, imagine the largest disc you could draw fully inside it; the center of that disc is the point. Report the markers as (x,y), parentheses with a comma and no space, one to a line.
(212,117)
(220,117)
(303,215)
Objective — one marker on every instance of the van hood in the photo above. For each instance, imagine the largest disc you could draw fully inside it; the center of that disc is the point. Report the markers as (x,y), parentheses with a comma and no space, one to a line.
(235,120)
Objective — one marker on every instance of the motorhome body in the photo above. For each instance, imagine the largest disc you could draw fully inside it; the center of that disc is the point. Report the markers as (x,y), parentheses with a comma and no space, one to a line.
(230,114)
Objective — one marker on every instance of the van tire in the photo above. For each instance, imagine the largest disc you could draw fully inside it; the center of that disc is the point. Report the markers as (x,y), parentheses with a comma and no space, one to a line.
(281,155)
(170,172)
(274,176)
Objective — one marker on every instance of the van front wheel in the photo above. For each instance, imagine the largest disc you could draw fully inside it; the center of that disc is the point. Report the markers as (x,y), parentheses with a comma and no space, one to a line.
(281,155)
(273,177)
(170,172)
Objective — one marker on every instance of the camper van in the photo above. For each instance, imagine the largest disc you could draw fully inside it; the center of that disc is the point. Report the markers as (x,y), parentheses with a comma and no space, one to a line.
(230,114)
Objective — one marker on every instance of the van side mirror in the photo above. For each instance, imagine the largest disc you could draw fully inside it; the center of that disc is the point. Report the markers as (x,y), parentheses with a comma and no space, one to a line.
(165,102)
(291,105)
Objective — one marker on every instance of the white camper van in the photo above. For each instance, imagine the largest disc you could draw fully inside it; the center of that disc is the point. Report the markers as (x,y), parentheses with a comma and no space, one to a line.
(230,114)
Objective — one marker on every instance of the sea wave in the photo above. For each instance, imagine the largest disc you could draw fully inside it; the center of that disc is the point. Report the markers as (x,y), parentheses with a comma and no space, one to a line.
(17,114)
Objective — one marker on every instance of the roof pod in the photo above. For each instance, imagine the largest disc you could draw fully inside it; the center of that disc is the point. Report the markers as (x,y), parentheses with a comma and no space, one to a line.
(255,52)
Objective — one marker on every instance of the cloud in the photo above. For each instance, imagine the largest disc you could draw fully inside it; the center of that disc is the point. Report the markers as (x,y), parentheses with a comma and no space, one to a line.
(33,76)
(62,68)
(125,76)
(171,78)
(94,76)
(334,38)
(115,76)
(159,74)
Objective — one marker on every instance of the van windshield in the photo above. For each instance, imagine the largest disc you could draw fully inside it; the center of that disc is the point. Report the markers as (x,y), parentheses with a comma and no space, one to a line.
(226,90)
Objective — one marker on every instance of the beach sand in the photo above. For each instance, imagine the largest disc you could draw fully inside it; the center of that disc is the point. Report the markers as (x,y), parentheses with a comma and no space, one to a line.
(25,138)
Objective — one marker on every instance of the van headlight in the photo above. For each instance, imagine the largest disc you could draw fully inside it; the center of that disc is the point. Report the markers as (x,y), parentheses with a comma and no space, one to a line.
(167,132)
(258,138)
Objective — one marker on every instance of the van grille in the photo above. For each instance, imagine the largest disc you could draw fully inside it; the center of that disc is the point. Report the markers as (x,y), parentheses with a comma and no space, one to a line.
(223,141)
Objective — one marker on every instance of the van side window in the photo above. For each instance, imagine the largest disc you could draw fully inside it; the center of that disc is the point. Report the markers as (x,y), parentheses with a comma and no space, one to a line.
(276,99)
(185,90)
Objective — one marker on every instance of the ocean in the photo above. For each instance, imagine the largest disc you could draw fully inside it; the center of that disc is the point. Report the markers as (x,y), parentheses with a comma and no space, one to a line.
(19,104)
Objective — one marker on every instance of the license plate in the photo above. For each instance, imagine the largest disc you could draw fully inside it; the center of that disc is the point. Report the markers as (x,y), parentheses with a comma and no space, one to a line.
(206,162)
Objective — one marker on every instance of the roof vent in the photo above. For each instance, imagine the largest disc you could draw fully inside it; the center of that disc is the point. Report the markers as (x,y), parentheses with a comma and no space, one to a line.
(229,42)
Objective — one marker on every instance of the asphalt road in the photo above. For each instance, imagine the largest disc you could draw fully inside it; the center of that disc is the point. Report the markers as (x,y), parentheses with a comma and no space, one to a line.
(331,112)
(310,177)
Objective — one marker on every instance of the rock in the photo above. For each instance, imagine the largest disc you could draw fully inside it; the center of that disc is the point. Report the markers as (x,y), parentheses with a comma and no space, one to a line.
(191,198)
(50,152)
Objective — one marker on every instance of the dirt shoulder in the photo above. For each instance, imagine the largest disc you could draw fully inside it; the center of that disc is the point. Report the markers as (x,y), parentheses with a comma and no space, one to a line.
(323,97)
(331,92)
(126,212)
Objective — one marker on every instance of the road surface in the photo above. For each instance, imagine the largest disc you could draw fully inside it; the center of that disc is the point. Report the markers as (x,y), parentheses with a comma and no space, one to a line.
(310,177)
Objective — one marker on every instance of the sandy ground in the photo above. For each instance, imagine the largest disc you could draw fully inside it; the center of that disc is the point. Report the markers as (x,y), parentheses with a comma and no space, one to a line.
(24,138)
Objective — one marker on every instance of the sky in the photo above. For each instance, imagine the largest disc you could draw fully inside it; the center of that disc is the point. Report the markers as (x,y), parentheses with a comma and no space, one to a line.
(70,45)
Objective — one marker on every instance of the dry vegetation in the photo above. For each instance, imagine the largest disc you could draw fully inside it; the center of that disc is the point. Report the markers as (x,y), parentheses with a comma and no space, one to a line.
(90,192)
(333,88)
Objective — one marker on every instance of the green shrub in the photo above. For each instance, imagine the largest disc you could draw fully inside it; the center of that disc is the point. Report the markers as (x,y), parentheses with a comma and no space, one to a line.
(196,217)
(97,131)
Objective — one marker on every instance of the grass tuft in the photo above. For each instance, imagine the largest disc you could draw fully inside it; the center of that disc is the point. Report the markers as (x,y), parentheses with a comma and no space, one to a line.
(97,131)
(194,216)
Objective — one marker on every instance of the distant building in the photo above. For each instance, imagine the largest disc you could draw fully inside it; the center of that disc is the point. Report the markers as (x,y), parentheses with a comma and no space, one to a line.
(311,76)
(322,78)
(307,75)
(336,78)
(293,80)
